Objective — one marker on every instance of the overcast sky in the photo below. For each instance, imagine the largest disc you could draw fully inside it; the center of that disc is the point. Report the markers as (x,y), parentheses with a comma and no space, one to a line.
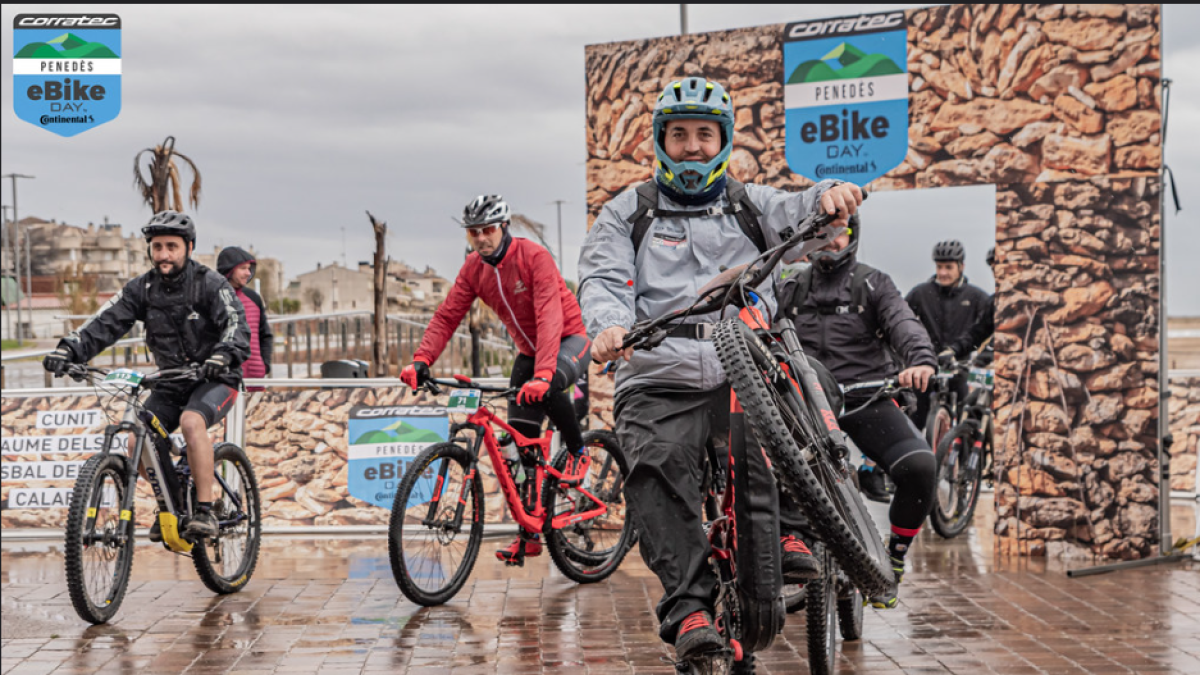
(302,117)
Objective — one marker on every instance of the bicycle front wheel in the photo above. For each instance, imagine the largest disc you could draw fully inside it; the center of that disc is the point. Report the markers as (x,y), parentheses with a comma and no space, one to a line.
(226,562)
(958,476)
(99,545)
(823,489)
(591,548)
(436,524)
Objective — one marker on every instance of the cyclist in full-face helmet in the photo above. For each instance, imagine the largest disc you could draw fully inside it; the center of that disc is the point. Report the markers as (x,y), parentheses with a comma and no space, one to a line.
(191,316)
(647,253)
(520,281)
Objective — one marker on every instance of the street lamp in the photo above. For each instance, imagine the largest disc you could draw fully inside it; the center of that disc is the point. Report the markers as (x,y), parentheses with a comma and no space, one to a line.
(28,280)
(559,203)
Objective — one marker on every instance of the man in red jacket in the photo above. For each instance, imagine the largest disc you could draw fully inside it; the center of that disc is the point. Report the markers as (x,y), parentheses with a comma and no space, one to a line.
(519,280)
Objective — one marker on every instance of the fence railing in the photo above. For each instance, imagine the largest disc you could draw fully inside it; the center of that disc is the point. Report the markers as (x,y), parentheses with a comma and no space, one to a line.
(303,342)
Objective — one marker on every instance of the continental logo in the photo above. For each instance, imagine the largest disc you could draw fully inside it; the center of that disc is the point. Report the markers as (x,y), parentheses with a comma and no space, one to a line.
(863,23)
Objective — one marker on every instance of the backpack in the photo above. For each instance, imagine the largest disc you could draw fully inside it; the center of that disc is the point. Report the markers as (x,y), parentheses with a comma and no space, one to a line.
(740,206)
(860,303)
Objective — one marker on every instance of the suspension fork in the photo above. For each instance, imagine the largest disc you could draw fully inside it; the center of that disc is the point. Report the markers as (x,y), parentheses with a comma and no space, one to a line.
(429,520)
(813,394)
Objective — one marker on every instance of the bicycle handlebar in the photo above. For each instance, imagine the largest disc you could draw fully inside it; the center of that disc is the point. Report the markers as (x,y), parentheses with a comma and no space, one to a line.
(431,385)
(79,372)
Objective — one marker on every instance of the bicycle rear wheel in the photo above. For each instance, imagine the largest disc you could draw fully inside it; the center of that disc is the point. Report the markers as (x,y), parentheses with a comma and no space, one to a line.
(590,549)
(822,612)
(824,489)
(436,524)
(958,476)
(99,544)
(226,562)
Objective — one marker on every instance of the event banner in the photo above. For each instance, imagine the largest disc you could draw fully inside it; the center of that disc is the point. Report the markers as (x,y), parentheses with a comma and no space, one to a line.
(67,70)
(845,94)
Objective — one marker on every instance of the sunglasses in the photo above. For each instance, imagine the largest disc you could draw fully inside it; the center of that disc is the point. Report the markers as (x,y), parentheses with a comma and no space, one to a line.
(486,230)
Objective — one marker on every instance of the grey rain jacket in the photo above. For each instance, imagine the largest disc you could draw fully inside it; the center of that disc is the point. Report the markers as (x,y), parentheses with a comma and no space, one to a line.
(677,257)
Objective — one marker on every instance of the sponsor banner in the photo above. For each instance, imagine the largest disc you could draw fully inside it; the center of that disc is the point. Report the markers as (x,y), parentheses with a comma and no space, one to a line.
(846,96)
(382,444)
(23,446)
(70,419)
(39,470)
(67,70)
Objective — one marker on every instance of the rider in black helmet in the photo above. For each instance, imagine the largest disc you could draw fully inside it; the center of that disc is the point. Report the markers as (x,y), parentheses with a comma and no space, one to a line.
(948,306)
(191,315)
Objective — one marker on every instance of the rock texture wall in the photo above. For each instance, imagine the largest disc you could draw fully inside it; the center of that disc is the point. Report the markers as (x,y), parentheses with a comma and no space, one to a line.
(1184,408)
(1077,366)
(997,94)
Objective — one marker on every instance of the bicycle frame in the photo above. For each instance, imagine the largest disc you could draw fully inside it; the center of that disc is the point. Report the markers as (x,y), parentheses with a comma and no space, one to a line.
(480,422)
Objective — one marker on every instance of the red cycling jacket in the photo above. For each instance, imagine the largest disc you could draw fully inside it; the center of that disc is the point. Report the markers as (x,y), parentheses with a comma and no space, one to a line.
(526,292)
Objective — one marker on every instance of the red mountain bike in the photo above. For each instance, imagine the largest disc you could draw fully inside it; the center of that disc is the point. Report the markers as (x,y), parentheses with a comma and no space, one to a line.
(576,502)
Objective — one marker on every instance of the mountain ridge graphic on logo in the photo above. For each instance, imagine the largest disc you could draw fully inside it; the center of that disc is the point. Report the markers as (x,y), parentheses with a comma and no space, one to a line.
(400,432)
(73,47)
(853,64)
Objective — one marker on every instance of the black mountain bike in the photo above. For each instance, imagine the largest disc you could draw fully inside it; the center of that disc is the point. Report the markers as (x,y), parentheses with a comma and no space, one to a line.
(787,409)
(943,402)
(964,457)
(100,528)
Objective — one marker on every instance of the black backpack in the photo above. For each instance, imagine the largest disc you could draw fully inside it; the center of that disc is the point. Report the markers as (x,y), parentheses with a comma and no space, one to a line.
(740,206)
(795,293)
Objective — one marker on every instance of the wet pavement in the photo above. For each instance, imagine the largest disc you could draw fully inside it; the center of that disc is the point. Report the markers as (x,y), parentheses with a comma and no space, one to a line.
(330,606)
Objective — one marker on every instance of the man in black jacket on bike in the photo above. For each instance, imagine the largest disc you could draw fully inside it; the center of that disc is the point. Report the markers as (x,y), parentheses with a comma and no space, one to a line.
(191,316)
(850,317)
(948,307)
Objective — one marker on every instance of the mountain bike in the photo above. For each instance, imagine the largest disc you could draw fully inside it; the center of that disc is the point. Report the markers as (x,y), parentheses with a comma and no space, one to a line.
(943,402)
(100,529)
(787,409)
(964,456)
(576,502)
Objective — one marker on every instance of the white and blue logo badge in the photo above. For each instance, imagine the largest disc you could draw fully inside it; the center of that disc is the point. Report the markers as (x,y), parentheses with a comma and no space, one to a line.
(67,70)
(846,96)
(383,441)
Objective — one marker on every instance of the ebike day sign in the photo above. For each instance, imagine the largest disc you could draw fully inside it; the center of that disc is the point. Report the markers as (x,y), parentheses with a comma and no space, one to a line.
(383,440)
(67,70)
(845,96)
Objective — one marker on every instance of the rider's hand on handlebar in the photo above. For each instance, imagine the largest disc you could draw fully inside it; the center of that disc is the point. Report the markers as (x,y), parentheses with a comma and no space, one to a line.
(916,378)
(215,366)
(607,345)
(58,361)
(415,374)
(843,200)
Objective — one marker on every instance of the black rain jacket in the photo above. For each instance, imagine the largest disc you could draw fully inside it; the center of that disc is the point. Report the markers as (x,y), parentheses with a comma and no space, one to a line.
(948,312)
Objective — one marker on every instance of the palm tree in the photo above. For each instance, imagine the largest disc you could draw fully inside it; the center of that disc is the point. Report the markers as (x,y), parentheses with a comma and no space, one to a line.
(522,222)
(164,173)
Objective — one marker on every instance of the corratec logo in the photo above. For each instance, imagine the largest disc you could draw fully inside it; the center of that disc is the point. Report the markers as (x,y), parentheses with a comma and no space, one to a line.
(67,70)
(845,96)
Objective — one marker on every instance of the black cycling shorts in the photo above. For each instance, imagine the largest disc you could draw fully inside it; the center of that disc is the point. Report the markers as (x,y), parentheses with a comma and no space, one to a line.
(212,400)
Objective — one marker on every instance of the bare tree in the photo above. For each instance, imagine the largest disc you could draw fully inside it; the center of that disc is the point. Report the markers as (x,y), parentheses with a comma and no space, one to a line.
(76,292)
(316,298)
(379,335)
(164,175)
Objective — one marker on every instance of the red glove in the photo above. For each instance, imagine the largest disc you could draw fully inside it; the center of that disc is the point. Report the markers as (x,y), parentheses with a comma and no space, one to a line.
(533,391)
(415,374)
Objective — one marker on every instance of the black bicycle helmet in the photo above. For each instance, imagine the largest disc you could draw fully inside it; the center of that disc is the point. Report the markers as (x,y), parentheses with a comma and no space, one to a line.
(171,223)
(950,250)
(828,261)
(991,256)
(485,210)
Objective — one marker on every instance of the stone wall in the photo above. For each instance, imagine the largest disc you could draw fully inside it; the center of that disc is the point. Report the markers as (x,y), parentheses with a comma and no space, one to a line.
(1077,366)
(1184,421)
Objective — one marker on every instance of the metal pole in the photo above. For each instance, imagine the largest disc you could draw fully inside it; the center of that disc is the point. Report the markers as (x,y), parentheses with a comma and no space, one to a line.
(8,251)
(28,280)
(558,203)
(1164,383)
(17,269)
(683,29)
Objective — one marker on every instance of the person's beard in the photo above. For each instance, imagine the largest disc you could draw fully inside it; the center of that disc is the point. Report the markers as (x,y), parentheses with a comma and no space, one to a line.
(175,268)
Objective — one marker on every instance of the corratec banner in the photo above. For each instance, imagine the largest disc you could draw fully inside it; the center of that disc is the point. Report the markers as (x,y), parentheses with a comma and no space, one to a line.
(67,70)
(846,96)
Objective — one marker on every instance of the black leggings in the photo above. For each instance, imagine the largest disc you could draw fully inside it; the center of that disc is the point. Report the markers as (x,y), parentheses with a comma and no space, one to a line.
(886,435)
(527,419)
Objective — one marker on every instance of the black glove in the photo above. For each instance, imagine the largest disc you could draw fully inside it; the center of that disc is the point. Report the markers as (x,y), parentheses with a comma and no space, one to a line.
(215,366)
(58,361)
(946,358)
